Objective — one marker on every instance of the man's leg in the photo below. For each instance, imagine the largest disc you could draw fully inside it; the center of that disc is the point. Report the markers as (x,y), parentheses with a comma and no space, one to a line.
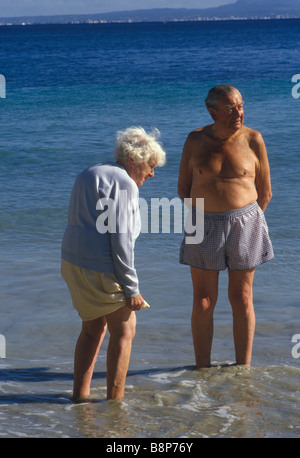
(86,352)
(240,294)
(121,325)
(205,286)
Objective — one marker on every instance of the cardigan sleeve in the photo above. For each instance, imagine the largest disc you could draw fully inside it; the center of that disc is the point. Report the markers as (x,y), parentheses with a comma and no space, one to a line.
(127,228)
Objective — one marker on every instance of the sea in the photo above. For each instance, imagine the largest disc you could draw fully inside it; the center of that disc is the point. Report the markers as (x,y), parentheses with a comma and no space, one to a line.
(66,90)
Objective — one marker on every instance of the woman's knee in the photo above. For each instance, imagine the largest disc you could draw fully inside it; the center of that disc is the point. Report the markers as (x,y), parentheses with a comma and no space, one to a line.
(122,324)
(94,329)
(126,330)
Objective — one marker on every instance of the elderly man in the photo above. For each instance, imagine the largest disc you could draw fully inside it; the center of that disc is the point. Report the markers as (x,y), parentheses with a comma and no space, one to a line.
(226,164)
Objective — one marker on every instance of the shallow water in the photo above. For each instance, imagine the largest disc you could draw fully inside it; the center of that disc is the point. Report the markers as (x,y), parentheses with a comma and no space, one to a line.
(175,402)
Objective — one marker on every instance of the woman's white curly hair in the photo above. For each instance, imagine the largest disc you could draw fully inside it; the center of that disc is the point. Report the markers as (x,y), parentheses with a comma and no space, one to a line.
(135,143)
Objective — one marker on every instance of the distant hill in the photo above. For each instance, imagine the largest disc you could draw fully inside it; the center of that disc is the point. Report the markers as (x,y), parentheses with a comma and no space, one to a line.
(241,9)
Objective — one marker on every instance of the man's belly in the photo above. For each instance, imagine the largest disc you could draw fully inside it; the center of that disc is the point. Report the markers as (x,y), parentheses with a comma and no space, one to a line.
(225,194)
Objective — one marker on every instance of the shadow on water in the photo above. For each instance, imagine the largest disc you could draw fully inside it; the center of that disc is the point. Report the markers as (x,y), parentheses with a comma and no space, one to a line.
(42,374)
(34,399)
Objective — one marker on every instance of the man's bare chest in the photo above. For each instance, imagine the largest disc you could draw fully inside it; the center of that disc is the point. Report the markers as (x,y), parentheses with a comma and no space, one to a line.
(225,162)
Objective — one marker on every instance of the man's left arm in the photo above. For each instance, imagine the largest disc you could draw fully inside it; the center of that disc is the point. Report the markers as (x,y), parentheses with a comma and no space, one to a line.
(262,173)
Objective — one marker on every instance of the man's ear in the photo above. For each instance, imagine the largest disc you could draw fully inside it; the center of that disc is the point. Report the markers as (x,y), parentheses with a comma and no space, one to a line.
(213,113)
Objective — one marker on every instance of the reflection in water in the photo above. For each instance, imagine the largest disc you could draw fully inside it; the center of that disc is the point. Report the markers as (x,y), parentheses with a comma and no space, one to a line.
(103,419)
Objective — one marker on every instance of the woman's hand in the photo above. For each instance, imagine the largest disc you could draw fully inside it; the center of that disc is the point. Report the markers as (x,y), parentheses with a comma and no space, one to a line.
(135,303)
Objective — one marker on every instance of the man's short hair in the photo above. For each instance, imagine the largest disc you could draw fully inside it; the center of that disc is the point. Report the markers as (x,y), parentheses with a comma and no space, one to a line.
(216,93)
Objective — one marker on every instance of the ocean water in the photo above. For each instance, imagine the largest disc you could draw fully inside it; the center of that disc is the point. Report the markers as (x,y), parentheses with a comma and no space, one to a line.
(69,88)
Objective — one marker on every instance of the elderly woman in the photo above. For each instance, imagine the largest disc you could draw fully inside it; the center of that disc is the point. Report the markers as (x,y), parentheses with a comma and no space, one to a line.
(98,256)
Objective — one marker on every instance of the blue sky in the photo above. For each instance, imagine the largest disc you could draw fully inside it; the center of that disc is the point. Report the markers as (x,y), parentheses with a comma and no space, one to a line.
(49,7)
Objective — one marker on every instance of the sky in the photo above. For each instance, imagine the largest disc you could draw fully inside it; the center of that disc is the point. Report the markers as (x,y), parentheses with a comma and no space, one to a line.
(15,8)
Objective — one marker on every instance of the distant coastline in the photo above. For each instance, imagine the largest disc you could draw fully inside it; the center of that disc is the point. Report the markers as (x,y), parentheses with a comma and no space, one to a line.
(102,21)
(223,13)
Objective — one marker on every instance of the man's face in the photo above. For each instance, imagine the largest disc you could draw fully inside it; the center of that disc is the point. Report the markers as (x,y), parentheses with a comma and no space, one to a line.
(230,111)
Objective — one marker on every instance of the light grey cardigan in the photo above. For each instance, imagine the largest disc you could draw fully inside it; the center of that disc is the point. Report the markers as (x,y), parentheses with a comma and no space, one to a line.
(103,223)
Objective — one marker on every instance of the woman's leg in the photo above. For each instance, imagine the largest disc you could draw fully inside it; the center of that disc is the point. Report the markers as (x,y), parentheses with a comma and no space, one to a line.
(121,325)
(86,352)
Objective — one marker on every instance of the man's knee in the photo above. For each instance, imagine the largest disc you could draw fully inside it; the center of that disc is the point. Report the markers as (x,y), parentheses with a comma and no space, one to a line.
(240,291)
(241,301)
(204,304)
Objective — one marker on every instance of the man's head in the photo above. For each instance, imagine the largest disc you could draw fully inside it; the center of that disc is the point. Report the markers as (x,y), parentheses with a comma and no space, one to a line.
(225,105)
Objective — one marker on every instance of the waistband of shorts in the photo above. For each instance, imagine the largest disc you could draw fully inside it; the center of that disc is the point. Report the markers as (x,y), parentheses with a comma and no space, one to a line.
(232,213)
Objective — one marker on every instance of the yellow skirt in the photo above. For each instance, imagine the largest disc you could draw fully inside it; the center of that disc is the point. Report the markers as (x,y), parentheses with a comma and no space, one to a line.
(94,294)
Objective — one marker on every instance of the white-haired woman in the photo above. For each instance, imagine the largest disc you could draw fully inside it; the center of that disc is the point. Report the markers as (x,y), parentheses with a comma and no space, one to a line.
(98,256)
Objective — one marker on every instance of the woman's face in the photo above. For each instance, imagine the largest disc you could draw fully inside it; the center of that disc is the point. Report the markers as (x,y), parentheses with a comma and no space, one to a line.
(141,172)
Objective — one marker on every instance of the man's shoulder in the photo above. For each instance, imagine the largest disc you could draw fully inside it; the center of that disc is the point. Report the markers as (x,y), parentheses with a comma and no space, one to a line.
(198,135)
(200,131)
(252,134)
(196,142)
(256,142)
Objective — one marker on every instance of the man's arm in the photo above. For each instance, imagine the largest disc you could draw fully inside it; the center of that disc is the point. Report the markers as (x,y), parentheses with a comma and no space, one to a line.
(185,172)
(262,175)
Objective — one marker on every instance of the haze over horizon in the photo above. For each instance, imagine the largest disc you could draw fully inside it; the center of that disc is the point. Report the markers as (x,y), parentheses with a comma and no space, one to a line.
(61,7)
